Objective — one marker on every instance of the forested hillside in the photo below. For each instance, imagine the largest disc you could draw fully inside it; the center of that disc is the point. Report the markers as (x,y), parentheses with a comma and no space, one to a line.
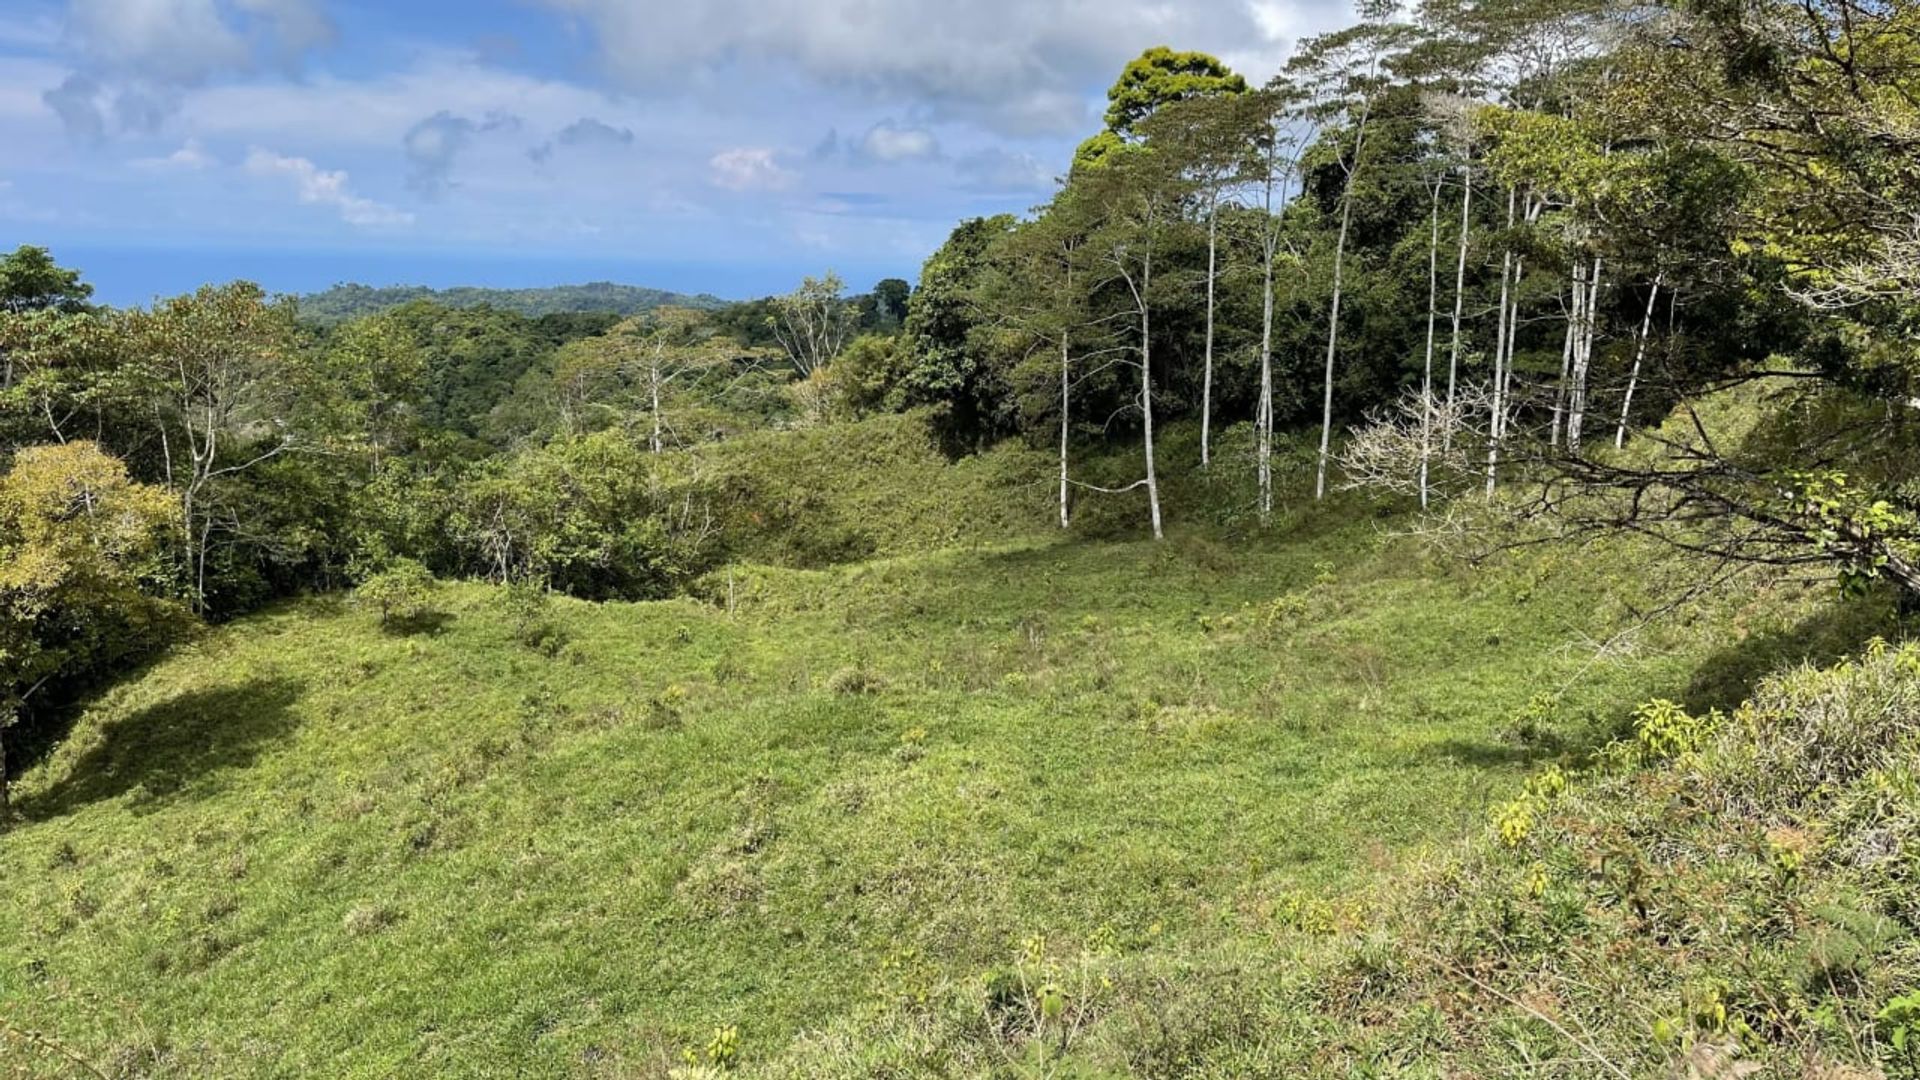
(1400,569)
(351,301)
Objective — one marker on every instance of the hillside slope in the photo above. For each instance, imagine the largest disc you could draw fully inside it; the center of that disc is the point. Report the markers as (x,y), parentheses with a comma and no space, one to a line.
(349,300)
(308,846)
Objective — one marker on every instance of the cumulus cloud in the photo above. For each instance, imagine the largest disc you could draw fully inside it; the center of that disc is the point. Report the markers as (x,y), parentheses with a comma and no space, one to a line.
(134,59)
(433,144)
(586,131)
(191,157)
(885,143)
(326,187)
(1019,66)
(888,143)
(749,168)
(995,171)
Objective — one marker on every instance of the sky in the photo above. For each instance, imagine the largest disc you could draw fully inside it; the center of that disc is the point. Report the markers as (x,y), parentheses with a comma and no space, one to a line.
(722,146)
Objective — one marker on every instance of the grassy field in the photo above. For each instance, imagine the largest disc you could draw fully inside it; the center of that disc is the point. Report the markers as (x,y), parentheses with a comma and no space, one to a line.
(305,845)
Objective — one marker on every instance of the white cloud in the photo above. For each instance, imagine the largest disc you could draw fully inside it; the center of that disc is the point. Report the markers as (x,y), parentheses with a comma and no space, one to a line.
(888,143)
(1018,66)
(191,157)
(749,168)
(326,187)
(134,59)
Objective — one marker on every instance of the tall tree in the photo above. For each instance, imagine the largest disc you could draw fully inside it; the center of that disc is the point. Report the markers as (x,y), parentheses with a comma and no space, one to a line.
(80,544)
(1345,71)
(31,281)
(1035,289)
(950,368)
(1215,137)
(223,369)
(813,322)
(1158,77)
(1141,191)
(1287,132)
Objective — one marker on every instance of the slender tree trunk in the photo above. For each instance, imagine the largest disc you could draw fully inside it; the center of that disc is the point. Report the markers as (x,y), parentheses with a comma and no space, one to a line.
(1433,316)
(1639,355)
(653,391)
(1333,318)
(1583,361)
(1576,297)
(6,799)
(1263,423)
(1333,341)
(1065,421)
(1459,296)
(1513,341)
(1496,425)
(1146,392)
(1206,379)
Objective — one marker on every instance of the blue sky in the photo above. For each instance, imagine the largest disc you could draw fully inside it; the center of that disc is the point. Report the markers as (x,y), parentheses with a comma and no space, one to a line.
(725,146)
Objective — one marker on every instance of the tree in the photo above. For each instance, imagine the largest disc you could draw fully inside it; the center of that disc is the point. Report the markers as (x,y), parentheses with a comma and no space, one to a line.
(1158,77)
(1816,102)
(813,321)
(1215,137)
(30,281)
(401,593)
(65,375)
(222,370)
(1287,132)
(885,308)
(377,377)
(949,367)
(1035,289)
(1139,191)
(81,567)
(1344,72)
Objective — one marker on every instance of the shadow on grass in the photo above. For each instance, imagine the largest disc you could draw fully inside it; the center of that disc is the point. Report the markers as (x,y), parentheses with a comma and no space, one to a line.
(1723,680)
(1729,676)
(428,623)
(164,749)
(1493,754)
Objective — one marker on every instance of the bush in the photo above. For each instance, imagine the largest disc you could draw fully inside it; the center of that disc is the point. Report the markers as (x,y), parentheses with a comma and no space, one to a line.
(402,593)
(530,608)
(598,517)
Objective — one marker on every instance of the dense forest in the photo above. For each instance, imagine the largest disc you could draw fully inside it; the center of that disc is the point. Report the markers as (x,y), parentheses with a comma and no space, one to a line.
(1541,285)
(350,301)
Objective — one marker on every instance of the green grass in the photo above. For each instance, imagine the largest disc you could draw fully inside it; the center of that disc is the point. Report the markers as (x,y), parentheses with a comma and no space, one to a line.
(303,846)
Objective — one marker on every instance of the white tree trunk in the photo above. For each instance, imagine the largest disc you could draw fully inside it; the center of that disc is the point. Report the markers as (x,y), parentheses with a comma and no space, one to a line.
(1583,361)
(1459,297)
(1333,341)
(1206,379)
(1146,392)
(1433,316)
(1065,420)
(1575,298)
(1497,422)
(653,391)
(1639,356)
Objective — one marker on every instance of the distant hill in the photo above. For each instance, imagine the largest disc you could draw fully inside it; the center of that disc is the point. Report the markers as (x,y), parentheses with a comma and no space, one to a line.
(348,301)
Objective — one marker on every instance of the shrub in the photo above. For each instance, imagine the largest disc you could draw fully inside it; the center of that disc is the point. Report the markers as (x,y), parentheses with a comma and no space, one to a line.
(402,593)
(530,612)
(856,680)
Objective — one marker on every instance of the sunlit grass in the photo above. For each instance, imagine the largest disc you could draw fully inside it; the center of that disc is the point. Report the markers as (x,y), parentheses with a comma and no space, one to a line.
(308,846)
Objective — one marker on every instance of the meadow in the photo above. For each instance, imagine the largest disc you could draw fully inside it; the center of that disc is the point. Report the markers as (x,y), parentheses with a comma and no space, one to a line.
(571,839)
